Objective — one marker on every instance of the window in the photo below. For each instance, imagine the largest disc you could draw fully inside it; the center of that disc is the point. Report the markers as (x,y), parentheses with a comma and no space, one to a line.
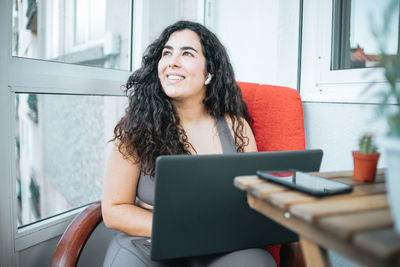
(327,71)
(56,116)
(89,18)
(61,136)
(147,28)
(59,116)
(81,31)
(61,150)
(64,114)
(353,41)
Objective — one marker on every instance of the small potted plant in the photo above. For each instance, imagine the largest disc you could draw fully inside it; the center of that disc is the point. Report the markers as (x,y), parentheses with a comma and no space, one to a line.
(365,160)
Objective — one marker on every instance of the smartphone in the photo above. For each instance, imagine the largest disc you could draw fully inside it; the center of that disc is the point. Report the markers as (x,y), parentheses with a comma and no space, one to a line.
(307,183)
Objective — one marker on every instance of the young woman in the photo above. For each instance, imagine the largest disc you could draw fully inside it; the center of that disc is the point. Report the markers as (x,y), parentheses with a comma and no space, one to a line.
(183,100)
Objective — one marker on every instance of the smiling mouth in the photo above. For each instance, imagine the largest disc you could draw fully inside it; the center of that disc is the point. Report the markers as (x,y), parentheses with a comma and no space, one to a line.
(175,77)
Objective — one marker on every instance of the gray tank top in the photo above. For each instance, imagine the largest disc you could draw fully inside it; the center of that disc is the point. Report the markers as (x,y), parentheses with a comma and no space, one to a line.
(145,189)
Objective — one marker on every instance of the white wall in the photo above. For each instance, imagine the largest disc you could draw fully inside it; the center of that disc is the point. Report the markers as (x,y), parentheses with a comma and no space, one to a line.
(260,37)
(336,128)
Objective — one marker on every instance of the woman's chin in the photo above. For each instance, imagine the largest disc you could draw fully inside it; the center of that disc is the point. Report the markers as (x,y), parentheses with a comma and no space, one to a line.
(171,92)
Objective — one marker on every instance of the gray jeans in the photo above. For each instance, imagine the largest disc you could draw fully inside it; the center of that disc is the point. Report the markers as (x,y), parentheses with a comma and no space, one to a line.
(122,253)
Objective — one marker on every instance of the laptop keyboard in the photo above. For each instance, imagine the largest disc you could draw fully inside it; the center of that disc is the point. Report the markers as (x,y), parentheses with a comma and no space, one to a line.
(147,245)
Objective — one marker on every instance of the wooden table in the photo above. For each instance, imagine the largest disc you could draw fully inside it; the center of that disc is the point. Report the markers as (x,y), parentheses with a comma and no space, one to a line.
(358,225)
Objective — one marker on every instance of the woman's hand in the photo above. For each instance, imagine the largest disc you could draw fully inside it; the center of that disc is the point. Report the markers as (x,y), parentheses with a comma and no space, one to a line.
(143,205)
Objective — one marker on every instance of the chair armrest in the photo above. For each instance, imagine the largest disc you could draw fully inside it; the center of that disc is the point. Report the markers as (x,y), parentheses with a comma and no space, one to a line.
(75,236)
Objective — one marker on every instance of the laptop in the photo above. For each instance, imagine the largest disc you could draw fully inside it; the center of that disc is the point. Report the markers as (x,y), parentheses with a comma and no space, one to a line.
(198,210)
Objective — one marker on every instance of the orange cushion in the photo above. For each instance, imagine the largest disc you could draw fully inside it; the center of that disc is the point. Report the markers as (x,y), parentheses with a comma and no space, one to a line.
(278,123)
(278,116)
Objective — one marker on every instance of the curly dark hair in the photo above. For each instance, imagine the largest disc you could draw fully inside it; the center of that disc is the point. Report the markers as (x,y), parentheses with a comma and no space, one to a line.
(151,125)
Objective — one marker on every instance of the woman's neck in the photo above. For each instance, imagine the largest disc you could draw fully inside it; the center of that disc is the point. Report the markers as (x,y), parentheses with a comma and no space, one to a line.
(191,112)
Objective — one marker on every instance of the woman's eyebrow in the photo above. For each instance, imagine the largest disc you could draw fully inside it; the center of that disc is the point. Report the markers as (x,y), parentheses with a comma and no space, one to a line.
(182,48)
(189,48)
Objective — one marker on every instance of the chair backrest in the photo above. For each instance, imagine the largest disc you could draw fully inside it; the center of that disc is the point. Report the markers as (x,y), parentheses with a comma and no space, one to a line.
(278,116)
(278,124)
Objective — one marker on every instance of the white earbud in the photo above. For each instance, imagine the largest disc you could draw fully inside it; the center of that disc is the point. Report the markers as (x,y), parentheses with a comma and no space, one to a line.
(209,77)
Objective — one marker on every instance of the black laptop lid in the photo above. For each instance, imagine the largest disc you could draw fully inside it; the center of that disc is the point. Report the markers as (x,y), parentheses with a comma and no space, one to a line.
(198,211)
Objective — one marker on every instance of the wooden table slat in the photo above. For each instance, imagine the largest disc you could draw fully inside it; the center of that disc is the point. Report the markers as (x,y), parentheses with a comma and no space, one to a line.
(242,182)
(284,199)
(310,211)
(334,174)
(347,225)
(348,180)
(264,189)
(379,179)
(384,242)
(380,174)
(360,190)
(370,189)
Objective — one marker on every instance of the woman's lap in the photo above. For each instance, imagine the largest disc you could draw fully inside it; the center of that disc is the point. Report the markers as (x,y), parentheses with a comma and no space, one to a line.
(254,257)
(122,253)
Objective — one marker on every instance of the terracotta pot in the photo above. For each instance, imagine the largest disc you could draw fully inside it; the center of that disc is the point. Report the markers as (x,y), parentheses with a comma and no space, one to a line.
(365,166)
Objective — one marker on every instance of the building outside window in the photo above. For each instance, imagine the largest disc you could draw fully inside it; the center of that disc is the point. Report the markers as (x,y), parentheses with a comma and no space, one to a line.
(353,41)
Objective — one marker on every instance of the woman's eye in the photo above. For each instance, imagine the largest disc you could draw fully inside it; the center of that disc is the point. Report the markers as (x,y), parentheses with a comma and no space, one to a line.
(187,54)
(165,53)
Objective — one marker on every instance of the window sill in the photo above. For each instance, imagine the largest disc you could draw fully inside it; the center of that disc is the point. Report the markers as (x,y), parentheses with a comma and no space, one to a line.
(356,92)
(36,233)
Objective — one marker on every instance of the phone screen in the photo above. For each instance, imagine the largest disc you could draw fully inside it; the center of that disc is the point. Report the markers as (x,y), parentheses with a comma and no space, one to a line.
(305,182)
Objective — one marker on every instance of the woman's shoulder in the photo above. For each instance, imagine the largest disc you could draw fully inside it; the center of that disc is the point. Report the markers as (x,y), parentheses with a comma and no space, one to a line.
(246,132)
(229,121)
(124,152)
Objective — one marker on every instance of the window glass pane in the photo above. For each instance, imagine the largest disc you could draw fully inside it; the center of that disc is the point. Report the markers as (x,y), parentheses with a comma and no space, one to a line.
(151,28)
(353,42)
(81,18)
(86,32)
(61,143)
(97,11)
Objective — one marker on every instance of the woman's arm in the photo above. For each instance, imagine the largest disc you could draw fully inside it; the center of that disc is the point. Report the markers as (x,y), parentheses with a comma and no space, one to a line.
(119,195)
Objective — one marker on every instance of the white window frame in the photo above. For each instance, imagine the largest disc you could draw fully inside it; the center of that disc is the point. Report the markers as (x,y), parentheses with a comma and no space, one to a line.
(318,82)
(25,75)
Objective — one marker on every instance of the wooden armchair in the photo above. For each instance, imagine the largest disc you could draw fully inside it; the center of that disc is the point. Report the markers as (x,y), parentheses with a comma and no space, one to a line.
(76,235)
(278,125)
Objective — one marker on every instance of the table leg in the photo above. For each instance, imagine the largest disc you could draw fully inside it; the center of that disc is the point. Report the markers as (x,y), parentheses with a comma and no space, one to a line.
(314,255)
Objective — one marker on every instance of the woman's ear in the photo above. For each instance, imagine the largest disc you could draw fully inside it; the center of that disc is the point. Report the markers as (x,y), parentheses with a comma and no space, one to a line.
(209,77)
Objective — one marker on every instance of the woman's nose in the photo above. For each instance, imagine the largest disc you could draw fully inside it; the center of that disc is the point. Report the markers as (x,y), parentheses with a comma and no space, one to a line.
(174,61)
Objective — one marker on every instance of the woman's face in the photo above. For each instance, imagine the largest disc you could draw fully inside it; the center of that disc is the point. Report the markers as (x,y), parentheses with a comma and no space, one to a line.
(181,69)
